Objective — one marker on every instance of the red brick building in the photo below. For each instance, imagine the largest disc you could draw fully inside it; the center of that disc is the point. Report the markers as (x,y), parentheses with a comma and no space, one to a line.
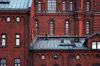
(49,33)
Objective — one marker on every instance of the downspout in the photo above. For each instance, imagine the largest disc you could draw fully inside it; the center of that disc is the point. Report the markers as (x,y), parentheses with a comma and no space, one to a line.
(28,37)
(32,58)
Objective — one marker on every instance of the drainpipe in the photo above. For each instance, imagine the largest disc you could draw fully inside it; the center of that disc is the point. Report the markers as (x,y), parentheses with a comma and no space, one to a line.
(32,58)
(28,37)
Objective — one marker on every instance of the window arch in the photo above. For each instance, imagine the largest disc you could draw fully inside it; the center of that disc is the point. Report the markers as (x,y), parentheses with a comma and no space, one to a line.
(67,27)
(8,19)
(63,5)
(87,27)
(71,5)
(17,19)
(88,6)
(43,57)
(78,57)
(55,57)
(39,6)
(51,27)
(97,56)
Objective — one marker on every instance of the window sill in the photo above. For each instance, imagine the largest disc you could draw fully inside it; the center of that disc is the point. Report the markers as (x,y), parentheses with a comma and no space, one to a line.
(17,46)
(3,46)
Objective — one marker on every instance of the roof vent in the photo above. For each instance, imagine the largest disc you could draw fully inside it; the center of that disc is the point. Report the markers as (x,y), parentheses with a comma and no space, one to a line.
(4,1)
(46,36)
(62,41)
(76,39)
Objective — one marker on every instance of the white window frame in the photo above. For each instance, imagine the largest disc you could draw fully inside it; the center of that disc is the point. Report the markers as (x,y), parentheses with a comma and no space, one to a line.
(95,45)
(17,19)
(55,57)
(39,6)
(36,27)
(17,62)
(3,62)
(64,5)
(51,5)
(88,6)
(3,40)
(87,27)
(78,57)
(71,6)
(51,28)
(67,27)
(8,19)
(43,57)
(17,39)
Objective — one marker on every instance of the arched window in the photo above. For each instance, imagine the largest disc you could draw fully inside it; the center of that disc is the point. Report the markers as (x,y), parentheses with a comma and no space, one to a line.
(88,6)
(43,57)
(78,57)
(87,27)
(36,28)
(39,6)
(67,27)
(17,19)
(51,28)
(97,56)
(51,5)
(71,6)
(63,5)
(55,57)
(8,19)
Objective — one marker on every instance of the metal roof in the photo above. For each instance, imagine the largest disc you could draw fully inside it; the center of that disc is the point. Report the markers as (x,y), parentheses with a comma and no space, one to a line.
(54,44)
(16,5)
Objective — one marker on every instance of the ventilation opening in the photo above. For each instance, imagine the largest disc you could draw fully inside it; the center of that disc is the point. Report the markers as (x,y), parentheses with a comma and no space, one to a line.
(76,40)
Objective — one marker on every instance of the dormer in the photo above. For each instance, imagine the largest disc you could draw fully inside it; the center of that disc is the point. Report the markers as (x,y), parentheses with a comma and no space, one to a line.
(93,41)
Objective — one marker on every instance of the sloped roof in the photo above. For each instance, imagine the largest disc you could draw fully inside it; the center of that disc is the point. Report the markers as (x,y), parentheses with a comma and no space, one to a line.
(16,5)
(85,42)
(55,44)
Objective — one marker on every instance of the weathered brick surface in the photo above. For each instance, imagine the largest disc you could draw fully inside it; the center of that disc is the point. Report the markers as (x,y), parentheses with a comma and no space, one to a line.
(10,52)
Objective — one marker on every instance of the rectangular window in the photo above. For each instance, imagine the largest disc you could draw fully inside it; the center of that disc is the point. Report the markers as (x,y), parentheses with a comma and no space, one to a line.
(71,6)
(87,28)
(39,6)
(63,6)
(51,28)
(17,40)
(93,45)
(98,45)
(36,28)
(3,40)
(51,5)
(88,6)
(17,62)
(3,62)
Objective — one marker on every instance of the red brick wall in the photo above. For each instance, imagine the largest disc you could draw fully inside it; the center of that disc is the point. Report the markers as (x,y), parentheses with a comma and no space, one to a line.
(95,38)
(10,52)
(87,58)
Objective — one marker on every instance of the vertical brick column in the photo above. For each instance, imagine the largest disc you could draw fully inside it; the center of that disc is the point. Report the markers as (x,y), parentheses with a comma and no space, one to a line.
(80,27)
